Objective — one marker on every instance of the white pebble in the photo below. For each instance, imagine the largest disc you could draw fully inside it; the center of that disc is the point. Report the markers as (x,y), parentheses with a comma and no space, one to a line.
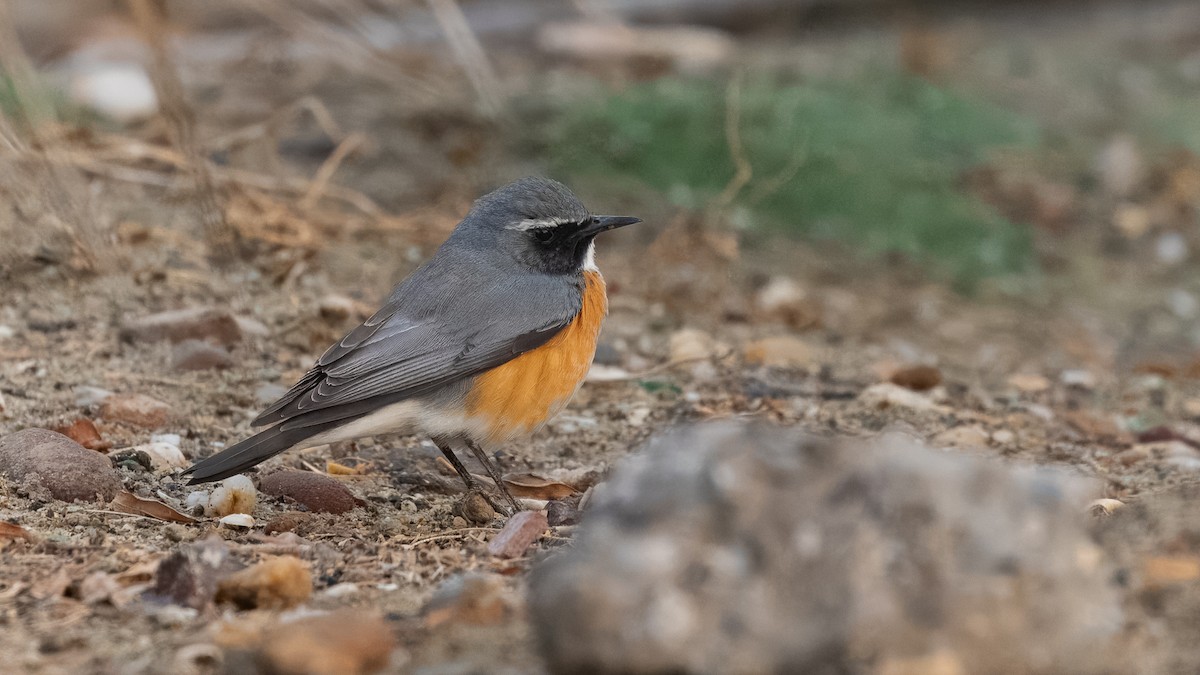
(170,439)
(197,499)
(340,590)
(1183,304)
(237,521)
(120,91)
(235,494)
(163,456)
(89,396)
(1171,248)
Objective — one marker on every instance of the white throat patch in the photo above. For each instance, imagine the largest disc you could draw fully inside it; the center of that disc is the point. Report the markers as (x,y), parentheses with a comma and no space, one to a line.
(589,259)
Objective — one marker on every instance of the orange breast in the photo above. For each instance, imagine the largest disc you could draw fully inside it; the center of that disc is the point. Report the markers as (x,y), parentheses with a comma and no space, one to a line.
(519,396)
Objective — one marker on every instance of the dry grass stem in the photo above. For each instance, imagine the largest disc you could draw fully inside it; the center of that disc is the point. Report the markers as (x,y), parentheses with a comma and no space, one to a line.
(220,236)
(469,53)
(352,51)
(743,172)
(270,126)
(320,182)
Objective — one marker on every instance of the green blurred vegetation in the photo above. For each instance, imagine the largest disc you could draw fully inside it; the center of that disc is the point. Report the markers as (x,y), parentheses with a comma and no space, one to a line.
(877,161)
(47,102)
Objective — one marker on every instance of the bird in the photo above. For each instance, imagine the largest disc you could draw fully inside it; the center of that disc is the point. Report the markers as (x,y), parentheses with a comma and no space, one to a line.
(480,346)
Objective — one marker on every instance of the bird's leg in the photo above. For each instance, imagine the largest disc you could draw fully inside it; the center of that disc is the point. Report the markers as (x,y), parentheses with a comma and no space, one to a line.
(491,469)
(472,484)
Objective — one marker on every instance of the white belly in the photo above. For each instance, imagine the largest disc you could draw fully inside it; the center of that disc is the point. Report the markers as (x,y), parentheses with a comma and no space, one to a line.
(405,417)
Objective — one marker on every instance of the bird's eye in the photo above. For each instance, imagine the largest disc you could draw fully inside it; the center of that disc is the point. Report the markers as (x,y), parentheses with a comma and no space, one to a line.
(545,236)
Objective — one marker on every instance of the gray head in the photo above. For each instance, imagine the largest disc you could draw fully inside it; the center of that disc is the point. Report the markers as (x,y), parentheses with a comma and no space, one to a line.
(539,223)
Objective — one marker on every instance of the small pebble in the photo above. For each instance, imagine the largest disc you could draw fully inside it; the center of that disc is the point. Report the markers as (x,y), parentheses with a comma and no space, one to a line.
(475,509)
(237,521)
(136,409)
(163,456)
(917,378)
(318,492)
(288,521)
(1084,379)
(962,437)
(1028,383)
(336,308)
(477,599)
(778,352)
(888,395)
(235,494)
(345,642)
(199,355)
(184,324)
(689,344)
(519,533)
(189,576)
(86,397)
(275,583)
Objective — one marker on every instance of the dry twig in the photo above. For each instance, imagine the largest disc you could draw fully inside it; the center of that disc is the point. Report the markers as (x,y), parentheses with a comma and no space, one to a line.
(270,126)
(354,51)
(320,182)
(733,135)
(222,237)
(469,53)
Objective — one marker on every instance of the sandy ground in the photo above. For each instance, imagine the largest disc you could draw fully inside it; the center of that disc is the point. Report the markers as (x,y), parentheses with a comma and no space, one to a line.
(1065,375)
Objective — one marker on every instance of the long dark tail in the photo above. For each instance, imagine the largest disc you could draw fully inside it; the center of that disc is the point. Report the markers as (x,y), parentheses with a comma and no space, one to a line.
(251,452)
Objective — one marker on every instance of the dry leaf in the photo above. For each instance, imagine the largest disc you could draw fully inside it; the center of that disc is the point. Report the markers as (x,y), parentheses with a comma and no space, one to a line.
(533,486)
(84,432)
(139,572)
(334,469)
(127,502)
(13,531)
(518,534)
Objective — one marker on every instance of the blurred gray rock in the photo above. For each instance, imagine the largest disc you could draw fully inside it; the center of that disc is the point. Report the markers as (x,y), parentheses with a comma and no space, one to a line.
(200,323)
(47,463)
(199,355)
(748,549)
(190,575)
(1121,167)
(1154,543)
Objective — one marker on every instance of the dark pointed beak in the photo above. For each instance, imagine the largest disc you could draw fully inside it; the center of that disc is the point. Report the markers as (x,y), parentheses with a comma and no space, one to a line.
(605,223)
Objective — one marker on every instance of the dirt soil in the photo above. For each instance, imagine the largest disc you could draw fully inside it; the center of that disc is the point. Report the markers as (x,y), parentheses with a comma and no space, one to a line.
(1052,378)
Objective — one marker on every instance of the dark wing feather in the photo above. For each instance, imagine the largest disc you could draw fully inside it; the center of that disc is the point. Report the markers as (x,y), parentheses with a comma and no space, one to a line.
(402,352)
(394,355)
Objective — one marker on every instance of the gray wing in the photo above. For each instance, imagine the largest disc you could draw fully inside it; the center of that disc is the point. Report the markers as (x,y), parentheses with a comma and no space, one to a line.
(415,345)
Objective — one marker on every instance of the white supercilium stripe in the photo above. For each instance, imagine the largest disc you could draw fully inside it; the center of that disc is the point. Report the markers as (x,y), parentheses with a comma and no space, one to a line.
(536,223)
